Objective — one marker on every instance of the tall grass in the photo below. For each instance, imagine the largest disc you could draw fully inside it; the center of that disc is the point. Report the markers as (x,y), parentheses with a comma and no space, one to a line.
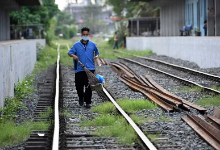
(47,57)
(109,123)
(128,105)
(10,133)
(113,126)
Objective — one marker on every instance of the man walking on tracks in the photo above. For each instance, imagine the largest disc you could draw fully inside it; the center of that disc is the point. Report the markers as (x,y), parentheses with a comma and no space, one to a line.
(83,51)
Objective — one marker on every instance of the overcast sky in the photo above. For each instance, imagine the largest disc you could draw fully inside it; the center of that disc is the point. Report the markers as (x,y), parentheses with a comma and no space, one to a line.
(62,3)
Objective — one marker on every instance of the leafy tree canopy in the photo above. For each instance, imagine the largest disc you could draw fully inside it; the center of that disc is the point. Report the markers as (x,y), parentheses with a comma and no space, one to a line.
(133,9)
(35,14)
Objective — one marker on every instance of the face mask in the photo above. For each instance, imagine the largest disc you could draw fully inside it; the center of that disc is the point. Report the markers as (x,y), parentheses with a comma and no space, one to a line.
(85,38)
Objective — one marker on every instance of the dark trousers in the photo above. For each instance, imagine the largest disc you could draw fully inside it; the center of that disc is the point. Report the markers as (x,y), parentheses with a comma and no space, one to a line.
(115,44)
(81,81)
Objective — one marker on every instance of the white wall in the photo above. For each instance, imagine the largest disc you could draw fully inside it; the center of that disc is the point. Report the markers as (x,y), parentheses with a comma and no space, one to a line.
(205,51)
(17,59)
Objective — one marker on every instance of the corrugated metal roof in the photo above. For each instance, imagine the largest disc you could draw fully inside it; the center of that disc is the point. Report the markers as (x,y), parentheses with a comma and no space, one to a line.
(29,2)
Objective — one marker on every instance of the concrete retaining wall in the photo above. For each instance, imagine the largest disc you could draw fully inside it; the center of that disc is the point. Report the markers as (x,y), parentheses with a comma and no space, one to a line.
(205,51)
(17,59)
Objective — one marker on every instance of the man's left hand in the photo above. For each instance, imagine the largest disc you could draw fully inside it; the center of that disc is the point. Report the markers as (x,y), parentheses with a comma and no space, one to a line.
(95,57)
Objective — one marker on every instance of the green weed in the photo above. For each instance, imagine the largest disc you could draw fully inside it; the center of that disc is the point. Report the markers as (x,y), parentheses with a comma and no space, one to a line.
(128,105)
(24,88)
(66,113)
(216,88)
(189,89)
(152,137)
(209,101)
(134,105)
(139,120)
(163,118)
(11,106)
(103,120)
(122,130)
(104,108)
(11,134)
(114,126)
(48,56)
(47,113)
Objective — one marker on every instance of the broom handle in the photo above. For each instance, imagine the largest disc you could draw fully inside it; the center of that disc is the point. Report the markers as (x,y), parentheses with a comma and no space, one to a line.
(81,64)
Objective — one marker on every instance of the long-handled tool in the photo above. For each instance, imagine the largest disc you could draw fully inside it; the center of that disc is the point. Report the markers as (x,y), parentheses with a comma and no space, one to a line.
(94,83)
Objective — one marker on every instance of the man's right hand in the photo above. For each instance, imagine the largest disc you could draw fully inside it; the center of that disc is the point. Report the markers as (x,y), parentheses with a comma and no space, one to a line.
(75,58)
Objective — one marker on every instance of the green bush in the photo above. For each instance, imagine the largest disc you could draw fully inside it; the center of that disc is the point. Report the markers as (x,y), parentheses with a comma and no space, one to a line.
(24,88)
(11,106)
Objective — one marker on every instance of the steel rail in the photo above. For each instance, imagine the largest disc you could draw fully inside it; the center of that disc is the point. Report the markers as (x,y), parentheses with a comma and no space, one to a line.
(173,76)
(145,140)
(56,107)
(207,75)
(204,129)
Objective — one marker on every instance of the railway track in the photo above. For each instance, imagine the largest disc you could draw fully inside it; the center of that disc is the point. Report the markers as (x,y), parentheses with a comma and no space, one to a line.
(63,140)
(192,71)
(183,80)
(65,133)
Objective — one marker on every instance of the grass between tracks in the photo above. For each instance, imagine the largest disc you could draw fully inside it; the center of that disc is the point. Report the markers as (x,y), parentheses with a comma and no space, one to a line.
(209,101)
(10,133)
(216,88)
(189,89)
(110,123)
(128,105)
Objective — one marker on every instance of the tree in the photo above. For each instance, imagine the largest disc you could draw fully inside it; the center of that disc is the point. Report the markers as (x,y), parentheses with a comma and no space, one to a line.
(35,14)
(92,18)
(133,9)
(65,25)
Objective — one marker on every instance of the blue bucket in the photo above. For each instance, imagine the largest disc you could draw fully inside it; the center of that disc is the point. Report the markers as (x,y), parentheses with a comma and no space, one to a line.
(100,78)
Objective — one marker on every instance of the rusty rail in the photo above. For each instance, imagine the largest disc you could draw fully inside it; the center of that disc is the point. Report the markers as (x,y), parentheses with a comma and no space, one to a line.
(204,129)
(148,87)
(157,86)
(101,61)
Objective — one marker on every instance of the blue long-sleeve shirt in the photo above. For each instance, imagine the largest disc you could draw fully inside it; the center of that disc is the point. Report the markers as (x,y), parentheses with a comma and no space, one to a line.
(85,53)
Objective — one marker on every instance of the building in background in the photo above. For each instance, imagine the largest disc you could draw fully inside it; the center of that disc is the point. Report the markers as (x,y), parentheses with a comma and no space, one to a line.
(97,12)
(175,14)
(6,7)
(144,26)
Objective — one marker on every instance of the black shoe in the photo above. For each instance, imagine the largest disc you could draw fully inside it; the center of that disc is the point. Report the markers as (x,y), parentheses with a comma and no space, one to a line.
(88,105)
